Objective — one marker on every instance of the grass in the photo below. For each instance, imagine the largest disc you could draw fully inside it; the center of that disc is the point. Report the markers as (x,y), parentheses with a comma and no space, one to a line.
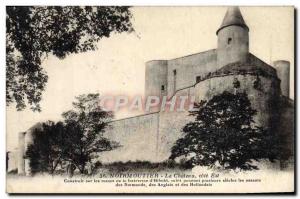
(141,166)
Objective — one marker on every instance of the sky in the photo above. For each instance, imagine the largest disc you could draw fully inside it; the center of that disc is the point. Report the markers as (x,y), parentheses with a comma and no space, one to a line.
(118,66)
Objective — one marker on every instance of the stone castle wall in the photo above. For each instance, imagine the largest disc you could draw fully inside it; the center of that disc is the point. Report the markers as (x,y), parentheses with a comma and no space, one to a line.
(161,72)
(260,97)
(188,68)
(150,137)
(171,124)
(147,137)
(138,137)
(156,77)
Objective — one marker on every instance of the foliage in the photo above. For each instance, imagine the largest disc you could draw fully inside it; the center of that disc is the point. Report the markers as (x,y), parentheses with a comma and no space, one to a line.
(85,126)
(34,32)
(46,151)
(77,141)
(223,134)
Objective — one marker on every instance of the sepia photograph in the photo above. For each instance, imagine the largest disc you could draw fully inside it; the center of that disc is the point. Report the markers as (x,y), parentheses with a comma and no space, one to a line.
(150,99)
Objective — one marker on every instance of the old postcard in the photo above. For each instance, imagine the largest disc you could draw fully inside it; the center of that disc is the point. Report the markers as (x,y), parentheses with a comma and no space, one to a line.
(150,99)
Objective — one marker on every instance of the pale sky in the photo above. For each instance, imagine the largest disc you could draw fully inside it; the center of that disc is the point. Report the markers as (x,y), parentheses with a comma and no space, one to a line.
(118,66)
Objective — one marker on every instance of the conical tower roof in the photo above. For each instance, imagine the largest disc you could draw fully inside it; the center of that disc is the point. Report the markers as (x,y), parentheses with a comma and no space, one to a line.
(232,17)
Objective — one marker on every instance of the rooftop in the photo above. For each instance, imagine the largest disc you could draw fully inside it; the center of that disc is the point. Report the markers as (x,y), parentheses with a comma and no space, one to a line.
(233,16)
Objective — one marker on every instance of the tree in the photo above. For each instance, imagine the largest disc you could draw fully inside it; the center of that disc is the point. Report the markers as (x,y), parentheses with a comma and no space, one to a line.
(85,127)
(47,148)
(224,134)
(34,32)
(77,141)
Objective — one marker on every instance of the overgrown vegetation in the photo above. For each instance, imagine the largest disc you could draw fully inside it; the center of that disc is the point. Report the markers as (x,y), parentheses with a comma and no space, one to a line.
(35,32)
(73,143)
(224,135)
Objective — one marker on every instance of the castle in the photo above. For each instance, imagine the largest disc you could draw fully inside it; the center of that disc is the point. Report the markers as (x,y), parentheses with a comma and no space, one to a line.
(203,75)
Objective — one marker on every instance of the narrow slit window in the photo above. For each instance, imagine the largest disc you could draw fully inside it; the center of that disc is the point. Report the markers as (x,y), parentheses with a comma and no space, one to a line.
(174,79)
(229,40)
(162,87)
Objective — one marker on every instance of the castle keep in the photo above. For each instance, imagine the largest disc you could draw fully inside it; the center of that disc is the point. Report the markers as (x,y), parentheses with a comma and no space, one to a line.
(203,75)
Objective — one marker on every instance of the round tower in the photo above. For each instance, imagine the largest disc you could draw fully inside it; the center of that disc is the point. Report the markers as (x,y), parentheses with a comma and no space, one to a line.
(233,38)
(283,72)
(156,78)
